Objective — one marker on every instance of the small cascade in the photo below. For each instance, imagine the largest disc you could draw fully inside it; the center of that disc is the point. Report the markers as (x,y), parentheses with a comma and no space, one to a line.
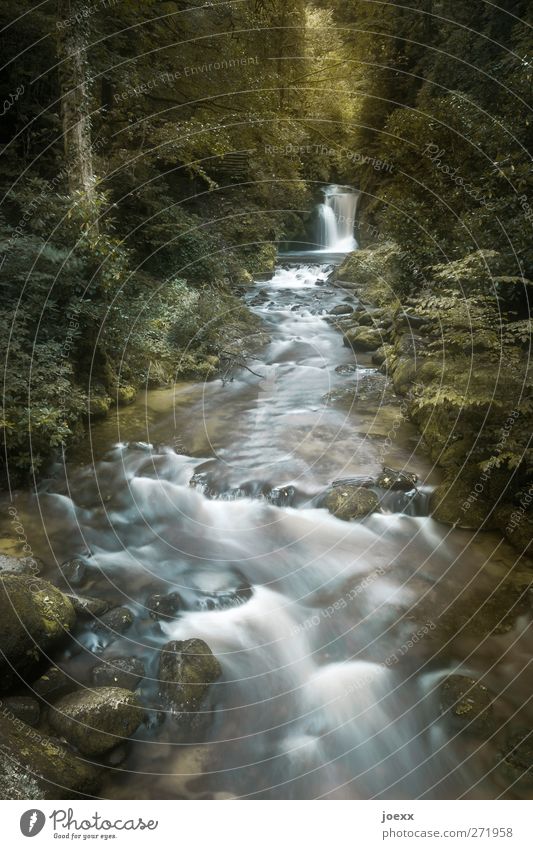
(336,220)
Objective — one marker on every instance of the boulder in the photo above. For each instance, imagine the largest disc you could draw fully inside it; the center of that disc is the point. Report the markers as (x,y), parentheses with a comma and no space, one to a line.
(467,701)
(341,309)
(88,608)
(116,621)
(394,479)
(124,672)
(95,721)
(364,339)
(186,669)
(518,752)
(34,766)
(162,606)
(350,502)
(53,683)
(34,617)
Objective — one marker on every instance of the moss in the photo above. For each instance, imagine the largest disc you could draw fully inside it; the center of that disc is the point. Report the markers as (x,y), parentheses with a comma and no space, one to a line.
(126,395)
(350,502)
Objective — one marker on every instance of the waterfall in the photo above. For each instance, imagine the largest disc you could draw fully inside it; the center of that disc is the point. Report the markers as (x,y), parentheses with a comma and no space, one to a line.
(336,220)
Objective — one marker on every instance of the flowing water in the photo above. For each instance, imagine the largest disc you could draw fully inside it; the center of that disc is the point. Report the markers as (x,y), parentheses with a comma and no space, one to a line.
(333,636)
(336,220)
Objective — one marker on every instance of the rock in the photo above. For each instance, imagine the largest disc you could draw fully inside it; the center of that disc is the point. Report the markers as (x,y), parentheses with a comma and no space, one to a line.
(96,721)
(393,479)
(34,617)
(518,752)
(364,339)
(98,406)
(409,321)
(34,766)
(467,701)
(20,565)
(162,606)
(282,496)
(380,356)
(126,395)
(88,608)
(350,502)
(53,683)
(124,672)
(186,669)
(346,368)
(74,571)
(455,503)
(22,707)
(341,309)
(116,621)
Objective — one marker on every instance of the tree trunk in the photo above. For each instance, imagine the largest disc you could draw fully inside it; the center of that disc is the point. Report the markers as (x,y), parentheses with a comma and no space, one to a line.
(73,37)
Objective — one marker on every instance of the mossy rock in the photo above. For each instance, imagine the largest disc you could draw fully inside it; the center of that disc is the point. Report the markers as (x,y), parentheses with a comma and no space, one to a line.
(99,406)
(457,503)
(95,721)
(468,703)
(20,565)
(34,766)
(350,502)
(126,395)
(186,669)
(34,617)
(364,339)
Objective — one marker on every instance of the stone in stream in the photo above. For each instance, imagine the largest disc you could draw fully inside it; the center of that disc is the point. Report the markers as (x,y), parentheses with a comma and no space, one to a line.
(74,571)
(518,753)
(53,683)
(22,707)
(467,701)
(341,309)
(35,766)
(124,672)
(95,721)
(88,608)
(34,618)
(350,502)
(186,669)
(115,622)
(162,606)
(282,496)
(364,339)
(394,479)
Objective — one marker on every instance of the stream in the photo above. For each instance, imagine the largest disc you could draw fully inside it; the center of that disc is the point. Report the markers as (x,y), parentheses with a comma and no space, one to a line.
(334,637)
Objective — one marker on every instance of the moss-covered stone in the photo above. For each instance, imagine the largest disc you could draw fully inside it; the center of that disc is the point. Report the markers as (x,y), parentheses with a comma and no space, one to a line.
(468,702)
(350,502)
(96,720)
(124,672)
(186,669)
(34,617)
(364,338)
(34,766)
(126,395)
(99,406)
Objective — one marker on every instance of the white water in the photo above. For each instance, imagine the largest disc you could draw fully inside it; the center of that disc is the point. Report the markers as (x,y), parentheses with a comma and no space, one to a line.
(336,220)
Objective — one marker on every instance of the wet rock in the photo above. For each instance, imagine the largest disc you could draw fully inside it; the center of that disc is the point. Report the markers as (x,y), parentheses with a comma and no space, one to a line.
(358,480)
(96,721)
(380,356)
(53,683)
(350,502)
(364,339)
(20,565)
(341,309)
(186,669)
(124,672)
(518,752)
(22,707)
(399,480)
(34,617)
(346,368)
(467,701)
(452,504)
(210,589)
(74,571)
(116,621)
(34,766)
(162,606)
(88,608)
(282,496)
